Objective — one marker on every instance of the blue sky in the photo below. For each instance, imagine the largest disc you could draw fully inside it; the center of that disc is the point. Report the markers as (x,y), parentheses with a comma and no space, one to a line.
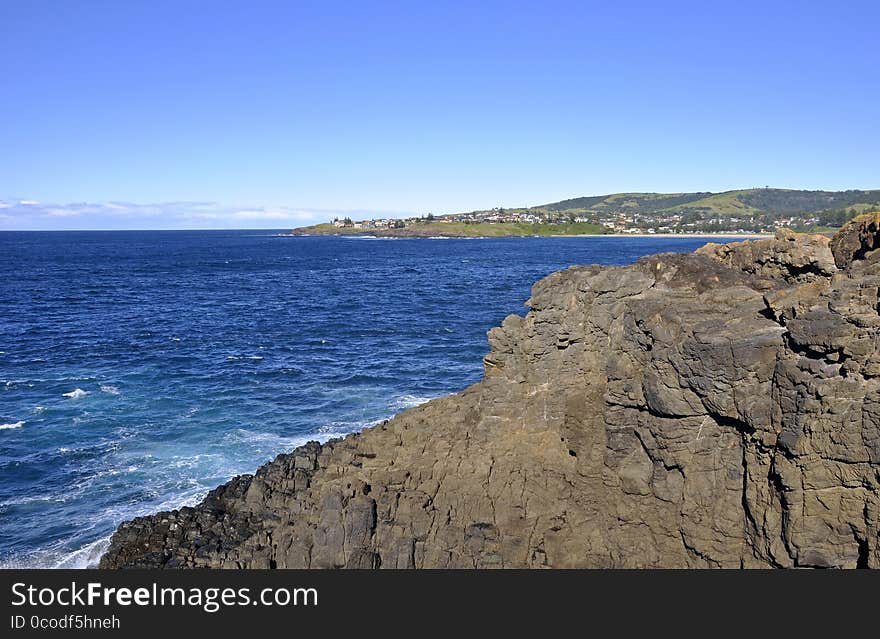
(271,114)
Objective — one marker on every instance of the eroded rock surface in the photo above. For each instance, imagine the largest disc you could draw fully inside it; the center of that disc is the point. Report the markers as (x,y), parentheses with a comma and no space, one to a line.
(716,409)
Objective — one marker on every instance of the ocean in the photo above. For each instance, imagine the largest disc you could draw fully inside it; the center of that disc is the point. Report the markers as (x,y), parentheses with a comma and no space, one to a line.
(138,370)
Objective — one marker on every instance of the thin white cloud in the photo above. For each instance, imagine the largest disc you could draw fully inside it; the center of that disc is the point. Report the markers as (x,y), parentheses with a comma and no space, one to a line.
(31,215)
(61,212)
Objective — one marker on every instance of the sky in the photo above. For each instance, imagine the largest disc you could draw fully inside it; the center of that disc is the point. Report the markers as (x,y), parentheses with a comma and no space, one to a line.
(259,114)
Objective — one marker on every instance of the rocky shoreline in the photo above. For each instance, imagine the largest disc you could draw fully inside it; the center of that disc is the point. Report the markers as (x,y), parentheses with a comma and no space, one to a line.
(713,409)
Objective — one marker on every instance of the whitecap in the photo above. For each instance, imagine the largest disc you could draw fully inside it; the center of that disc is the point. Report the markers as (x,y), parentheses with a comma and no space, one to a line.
(87,556)
(408,401)
(30,499)
(39,409)
(271,440)
(192,461)
(110,389)
(76,393)
(11,426)
(339,429)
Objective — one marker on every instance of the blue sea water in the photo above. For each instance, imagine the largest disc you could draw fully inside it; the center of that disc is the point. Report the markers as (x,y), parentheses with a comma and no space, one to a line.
(138,370)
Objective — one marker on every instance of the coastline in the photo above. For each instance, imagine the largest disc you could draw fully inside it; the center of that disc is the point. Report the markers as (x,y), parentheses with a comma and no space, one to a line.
(743,236)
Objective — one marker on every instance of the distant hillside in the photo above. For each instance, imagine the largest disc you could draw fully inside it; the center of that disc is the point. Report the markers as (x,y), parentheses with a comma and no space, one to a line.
(748,210)
(774,202)
(645,202)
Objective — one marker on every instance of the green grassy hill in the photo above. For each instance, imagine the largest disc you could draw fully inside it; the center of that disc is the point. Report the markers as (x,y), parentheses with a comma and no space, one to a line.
(747,209)
(748,202)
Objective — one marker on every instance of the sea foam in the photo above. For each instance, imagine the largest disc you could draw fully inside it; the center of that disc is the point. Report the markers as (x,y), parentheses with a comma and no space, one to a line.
(409,401)
(56,556)
(76,393)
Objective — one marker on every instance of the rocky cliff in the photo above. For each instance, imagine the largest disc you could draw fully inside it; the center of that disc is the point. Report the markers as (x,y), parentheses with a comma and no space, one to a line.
(716,409)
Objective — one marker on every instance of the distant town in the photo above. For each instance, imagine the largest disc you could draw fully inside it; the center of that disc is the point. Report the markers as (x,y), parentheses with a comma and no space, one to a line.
(612,223)
(749,211)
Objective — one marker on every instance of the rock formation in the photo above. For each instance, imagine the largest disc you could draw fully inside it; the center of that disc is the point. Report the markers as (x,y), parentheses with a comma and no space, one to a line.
(715,409)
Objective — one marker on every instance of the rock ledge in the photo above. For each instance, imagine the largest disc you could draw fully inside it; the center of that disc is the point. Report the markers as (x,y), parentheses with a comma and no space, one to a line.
(716,409)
